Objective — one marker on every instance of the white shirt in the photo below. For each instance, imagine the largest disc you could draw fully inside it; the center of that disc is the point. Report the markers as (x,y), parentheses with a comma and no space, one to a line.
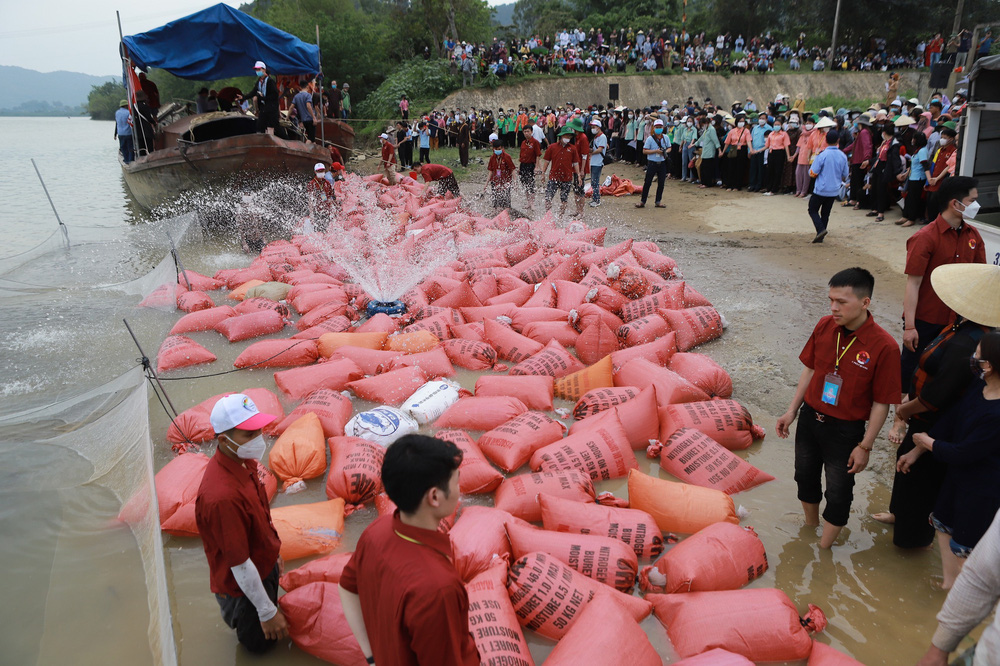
(537,133)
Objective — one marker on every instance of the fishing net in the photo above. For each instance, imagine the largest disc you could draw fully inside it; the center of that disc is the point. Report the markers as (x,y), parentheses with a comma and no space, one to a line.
(81,531)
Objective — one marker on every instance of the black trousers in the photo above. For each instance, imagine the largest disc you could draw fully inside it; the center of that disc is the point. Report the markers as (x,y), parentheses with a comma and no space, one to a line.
(707,170)
(913,207)
(914,495)
(526,172)
(240,614)
(310,128)
(823,448)
(463,154)
(908,360)
(775,170)
(656,170)
(858,187)
(425,156)
(819,211)
(756,181)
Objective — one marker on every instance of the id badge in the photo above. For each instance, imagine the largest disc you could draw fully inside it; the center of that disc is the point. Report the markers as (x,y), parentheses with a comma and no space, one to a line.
(832,384)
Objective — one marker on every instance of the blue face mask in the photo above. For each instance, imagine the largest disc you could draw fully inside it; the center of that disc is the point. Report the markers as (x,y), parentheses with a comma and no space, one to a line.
(260,72)
(497,152)
(658,130)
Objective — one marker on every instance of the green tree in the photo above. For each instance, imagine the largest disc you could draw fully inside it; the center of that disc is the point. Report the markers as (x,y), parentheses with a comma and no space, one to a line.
(104,100)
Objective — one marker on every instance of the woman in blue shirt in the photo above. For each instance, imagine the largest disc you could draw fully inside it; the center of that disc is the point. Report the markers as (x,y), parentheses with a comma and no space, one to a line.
(913,210)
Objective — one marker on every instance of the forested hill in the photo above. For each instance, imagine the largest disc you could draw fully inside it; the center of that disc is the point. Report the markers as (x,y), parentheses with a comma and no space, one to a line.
(28,89)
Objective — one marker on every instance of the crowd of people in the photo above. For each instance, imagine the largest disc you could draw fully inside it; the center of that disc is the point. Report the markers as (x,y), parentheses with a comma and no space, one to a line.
(627,50)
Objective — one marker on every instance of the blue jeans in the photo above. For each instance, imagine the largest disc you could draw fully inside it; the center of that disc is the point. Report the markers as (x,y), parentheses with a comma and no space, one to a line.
(127,147)
(935,58)
(686,155)
(595,182)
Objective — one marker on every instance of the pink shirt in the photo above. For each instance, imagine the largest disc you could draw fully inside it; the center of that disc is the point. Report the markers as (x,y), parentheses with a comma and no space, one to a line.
(738,136)
(803,145)
(777,140)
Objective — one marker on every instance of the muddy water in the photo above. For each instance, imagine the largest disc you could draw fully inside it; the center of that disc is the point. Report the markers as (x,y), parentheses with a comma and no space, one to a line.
(881,602)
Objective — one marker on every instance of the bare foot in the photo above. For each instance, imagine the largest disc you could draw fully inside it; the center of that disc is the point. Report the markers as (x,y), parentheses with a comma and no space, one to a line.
(885,517)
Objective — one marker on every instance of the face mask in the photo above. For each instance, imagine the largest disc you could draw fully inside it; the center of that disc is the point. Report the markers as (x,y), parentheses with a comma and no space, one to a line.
(970,210)
(740,124)
(977,370)
(809,126)
(761,122)
(785,126)
(497,152)
(252,450)
(658,130)
(690,124)
(259,72)
(565,140)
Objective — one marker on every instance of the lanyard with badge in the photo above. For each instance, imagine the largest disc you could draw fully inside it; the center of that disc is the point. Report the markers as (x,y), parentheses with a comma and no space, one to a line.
(833,382)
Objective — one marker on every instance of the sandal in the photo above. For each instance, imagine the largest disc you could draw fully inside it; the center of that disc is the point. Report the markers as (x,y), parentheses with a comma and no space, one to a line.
(845,204)
(871,214)
(880,218)
(659,205)
(900,221)
(908,223)
(640,205)
(856,207)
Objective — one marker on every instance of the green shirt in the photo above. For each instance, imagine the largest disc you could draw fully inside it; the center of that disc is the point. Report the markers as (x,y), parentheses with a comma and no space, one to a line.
(345,100)
(709,143)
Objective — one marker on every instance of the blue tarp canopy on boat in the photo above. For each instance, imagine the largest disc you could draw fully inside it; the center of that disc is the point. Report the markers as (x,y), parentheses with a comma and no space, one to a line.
(218,43)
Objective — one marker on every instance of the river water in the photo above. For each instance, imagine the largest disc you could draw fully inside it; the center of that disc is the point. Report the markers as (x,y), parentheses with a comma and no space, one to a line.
(78,580)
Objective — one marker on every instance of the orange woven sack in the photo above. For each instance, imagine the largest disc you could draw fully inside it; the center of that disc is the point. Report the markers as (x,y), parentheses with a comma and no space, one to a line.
(194,425)
(694,457)
(478,537)
(487,313)
(334,374)
(510,345)
(492,621)
(332,408)
(602,399)
(669,298)
(434,363)
(544,297)
(824,655)
(193,301)
(715,657)
(480,413)
(251,325)
(318,626)
(638,416)
(603,629)
(314,299)
(240,287)
(474,331)
(300,452)
(553,361)
(461,297)
(671,388)
(202,320)
(642,330)
(595,342)
(326,569)
(678,507)
(761,624)
(603,452)
(694,326)
(355,469)
(601,558)
(722,556)
(659,352)
(546,332)
(321,314)
(390,388)
(726,421)
(587,314)
(309,529)
(599,375)
(703,372)
(177,485)
(368,360)
(476,474)
(257,304)
(632,527)
(179,351)
(199,282)
(571,295)
(338,324)
(656,262)
(412,343)
(470,354)
(511,444)
(548,596)
(330,342)
(530,314)
(518,495)
(278,354)
(535,391)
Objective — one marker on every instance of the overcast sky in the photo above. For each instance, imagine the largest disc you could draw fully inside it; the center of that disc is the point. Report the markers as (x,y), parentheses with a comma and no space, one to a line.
(75,36)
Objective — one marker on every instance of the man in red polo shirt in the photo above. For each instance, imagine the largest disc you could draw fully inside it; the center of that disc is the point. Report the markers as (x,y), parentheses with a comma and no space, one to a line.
(402,597)
(564,161)
(531,150)
(851,375)
(321,198)
(234,521)
(946,240)
(388,161)
(439,174)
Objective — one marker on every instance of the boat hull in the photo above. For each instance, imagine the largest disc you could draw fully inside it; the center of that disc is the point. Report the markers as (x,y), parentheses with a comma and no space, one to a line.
(161,176)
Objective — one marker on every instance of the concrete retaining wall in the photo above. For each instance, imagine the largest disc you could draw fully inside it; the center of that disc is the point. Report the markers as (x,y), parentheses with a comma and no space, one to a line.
(639,91)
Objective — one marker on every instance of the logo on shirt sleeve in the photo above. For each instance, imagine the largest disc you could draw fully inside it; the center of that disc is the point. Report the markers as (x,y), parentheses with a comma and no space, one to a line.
(972,243)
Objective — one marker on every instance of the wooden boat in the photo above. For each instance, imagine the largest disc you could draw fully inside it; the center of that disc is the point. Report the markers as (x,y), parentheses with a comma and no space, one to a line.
(203,150)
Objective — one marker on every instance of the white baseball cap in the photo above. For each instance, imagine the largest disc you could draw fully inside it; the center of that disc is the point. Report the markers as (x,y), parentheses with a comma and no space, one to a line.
(494,137)
(383,135)
(595,123)
(259,65)
(319,167)
(657,123)
(237,410)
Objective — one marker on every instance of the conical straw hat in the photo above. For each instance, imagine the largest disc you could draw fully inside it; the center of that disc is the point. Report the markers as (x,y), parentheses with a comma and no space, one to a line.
(971,290)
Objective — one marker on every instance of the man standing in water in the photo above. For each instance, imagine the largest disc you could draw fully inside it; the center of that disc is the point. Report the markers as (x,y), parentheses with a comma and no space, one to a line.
(401,595)
(234,521)
(851,375)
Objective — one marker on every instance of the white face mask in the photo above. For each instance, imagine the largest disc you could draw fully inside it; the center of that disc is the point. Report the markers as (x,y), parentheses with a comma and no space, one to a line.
(970,210)
(740,124)
(690,124)
(761,122)
(784,126)
(252,450)
(809,126)
(565,140)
